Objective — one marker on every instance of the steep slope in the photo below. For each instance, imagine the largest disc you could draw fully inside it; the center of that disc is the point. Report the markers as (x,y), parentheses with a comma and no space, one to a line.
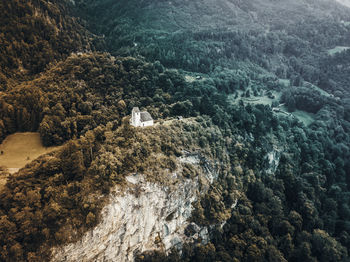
(80,97)
(244,47)
(35,33)
(289,39)
(147,21)
(280,190)
(148,216)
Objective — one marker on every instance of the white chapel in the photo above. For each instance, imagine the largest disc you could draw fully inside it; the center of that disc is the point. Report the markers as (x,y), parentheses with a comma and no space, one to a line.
(140,119)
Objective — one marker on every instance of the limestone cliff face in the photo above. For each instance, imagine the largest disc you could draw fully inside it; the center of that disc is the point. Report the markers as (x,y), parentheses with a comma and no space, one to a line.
(273,159)
(146,216)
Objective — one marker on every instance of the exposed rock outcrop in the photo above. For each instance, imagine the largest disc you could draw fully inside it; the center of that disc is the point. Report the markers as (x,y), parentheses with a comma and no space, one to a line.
(146,216)
(273,159)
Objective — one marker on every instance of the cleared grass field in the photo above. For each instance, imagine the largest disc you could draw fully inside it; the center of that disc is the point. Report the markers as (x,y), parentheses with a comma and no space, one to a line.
(306,118)
(344,2)
(337,49)
(19,149)
(285,82)
(256,100)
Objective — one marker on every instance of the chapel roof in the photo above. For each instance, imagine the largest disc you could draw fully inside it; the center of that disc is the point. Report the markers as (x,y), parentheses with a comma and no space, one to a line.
(145,116)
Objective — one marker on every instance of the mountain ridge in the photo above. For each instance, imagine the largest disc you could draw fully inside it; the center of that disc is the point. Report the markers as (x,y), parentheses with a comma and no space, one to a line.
(226,91)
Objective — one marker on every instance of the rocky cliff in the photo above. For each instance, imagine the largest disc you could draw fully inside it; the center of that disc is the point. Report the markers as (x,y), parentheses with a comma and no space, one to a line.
(145,216)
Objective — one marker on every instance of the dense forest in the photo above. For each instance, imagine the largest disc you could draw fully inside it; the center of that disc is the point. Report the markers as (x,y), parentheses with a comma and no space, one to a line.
(74,70)
(37,33)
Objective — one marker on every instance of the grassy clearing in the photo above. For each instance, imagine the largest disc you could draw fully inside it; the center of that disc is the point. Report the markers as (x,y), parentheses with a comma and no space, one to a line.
(305,117)
(344,2)
(255,100)
(310,85)
(20,149)
(284,82)
(192,78)
(338,49)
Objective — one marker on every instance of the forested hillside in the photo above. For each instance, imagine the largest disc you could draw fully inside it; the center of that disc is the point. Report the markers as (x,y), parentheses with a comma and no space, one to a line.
(35,33)
(242,48)
(289,39)
(259,87)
